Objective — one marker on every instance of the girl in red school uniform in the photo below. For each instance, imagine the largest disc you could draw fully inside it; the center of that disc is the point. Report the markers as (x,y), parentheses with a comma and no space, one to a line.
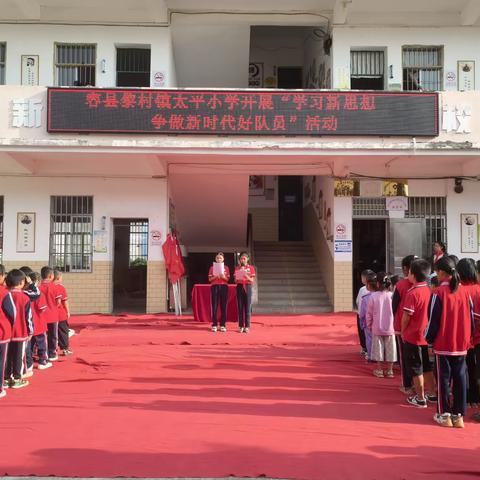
(218,276)
(244,278)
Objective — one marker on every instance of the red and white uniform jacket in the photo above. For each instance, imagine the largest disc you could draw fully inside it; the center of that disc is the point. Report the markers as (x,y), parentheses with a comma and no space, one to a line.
(475,294)
(17,308)
(450,326)
(51,296)
(39,321)
(416,305)
(217,280)
(62,311)
(250,270)
(5,324)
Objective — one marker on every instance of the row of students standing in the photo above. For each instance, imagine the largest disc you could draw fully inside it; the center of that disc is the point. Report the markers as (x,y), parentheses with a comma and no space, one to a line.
(34,313)
(434,328)
(244,276)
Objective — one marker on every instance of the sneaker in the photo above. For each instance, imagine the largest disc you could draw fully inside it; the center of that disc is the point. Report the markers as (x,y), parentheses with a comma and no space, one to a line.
(223,329)
(28,373)
(246,330)
(431,397)
(457,421)
(8,383)
(476,417)
(416,402)
(20,383)
(443,419)
(214,329)
(3,393)
(71,332)
(44,366)
(241,330)
(66,352)
(378,373)
(389,374)
(53,359)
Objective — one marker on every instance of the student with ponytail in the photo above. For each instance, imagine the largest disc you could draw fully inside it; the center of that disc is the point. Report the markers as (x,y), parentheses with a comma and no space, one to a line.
(450,332)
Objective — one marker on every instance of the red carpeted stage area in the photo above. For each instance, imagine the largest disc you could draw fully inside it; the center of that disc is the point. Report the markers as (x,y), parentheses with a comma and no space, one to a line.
(157,396)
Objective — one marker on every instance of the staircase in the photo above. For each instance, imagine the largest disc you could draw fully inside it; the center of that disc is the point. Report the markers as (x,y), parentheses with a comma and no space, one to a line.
(289,279)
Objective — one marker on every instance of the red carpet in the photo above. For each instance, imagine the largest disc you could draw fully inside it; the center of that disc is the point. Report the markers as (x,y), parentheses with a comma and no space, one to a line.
(160,397)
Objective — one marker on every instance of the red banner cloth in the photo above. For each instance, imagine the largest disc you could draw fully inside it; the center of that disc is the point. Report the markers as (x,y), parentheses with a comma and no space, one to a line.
(202,304)
(173,258)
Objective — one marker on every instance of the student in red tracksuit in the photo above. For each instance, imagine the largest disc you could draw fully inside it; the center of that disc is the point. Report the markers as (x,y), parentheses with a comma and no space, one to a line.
(52,298)
(414,324)
(450,332)
(398,299)
(476,341)
(63,314)
(39,337)
(244,278)
(219,293)
(16,306)
(5,332)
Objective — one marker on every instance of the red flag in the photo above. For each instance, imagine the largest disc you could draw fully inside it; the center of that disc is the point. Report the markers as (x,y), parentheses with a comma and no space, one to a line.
(173,258)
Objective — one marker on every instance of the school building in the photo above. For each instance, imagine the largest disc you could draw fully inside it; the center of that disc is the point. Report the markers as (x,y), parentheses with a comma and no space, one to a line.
(323,136)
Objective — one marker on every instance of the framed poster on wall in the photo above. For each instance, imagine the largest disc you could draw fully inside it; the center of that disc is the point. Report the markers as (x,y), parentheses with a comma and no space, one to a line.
(469,232)
(30,71)
(25,232)
(466,75)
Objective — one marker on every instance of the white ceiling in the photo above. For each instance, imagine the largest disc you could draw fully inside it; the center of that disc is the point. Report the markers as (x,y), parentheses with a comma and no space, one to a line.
(429,12)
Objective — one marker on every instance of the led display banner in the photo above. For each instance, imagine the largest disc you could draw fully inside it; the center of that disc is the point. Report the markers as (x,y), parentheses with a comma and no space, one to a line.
(243,112)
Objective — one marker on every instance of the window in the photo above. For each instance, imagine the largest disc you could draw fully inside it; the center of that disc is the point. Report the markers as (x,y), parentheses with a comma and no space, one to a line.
(75,64)
(71,225)
(133,67)
(138,243)
(3,54)
(422,68)
(367,69)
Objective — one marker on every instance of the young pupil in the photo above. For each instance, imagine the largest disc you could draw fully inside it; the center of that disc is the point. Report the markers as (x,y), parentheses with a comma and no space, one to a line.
(380,323)
(467,272)
(414,323)
(63,314)
(371,286)
(244,278)
(476,336)
(5,332)
(361,293)
(450,330)
(39,337)
(52,298)
(398,300)
(16,306)
(219,293)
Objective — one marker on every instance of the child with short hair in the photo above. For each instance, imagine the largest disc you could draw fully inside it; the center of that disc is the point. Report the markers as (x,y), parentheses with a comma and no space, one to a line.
(450,331)
(17,308)
(398,300)
(219,292)
(52,298)
(244,278)
(414,324)
(5,332)
(39,337)
(63,314)
(361,293)
(371,286)
(380,323)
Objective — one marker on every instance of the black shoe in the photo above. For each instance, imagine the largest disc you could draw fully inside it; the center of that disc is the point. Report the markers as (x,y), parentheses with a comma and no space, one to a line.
(432,398)
(416,402)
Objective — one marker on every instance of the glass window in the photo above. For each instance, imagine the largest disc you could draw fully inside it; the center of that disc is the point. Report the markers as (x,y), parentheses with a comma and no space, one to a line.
(422,68)
(75,64)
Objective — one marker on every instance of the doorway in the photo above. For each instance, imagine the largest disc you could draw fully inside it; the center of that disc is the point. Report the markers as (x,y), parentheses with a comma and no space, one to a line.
(130,265)
(290,208)
(290,77)
(369,248)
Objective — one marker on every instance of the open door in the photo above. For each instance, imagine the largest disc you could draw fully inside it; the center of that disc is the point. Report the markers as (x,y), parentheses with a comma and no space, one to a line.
(407,236)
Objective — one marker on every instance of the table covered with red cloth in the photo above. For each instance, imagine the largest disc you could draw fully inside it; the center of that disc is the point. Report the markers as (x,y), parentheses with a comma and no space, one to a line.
(202,303)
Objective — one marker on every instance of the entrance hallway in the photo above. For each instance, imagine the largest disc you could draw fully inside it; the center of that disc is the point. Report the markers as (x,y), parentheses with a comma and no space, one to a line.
(155,396)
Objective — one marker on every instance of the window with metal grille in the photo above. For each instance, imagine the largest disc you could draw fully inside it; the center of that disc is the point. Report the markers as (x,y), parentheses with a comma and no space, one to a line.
(422,68)
(3,55)
(133,67)
(71,229)
(75,64)
(367,69)
(432,209)
(1,229)
(138,243)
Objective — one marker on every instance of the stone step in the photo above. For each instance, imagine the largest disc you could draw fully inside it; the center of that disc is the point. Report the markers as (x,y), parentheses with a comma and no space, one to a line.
(286,276)
(289,288)
(301,302)
(303,260)
(267,297)
(288,310)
